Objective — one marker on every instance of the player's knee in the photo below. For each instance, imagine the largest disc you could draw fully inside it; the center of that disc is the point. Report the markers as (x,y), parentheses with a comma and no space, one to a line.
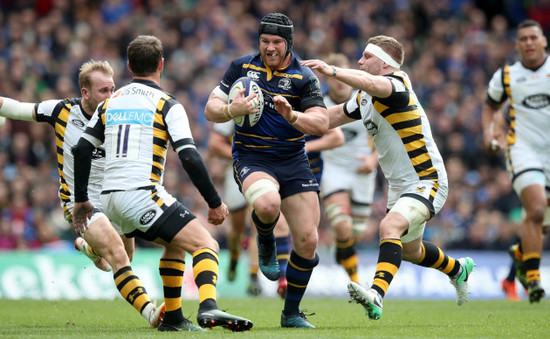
(263,195)
(305,243)
(536,213)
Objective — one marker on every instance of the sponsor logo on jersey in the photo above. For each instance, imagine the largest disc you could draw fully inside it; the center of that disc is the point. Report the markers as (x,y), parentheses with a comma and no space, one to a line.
(537,101)
(253,75)
(78,123)
(147,217)
(421,189)
(285,84)
(129,116)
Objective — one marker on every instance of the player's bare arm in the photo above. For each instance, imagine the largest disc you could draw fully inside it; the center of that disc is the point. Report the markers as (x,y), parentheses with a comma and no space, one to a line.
(218,110)
(313,121)
(375,85)
(337,116)
(493,135)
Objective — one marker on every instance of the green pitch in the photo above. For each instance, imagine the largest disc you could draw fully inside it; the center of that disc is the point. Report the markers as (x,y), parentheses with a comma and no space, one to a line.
(334,318)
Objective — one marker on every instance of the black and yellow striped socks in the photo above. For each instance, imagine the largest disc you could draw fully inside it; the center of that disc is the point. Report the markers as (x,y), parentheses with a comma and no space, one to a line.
(131,289)
(171,273)
(389,260)
(205,272)
(348,258)
(432,256)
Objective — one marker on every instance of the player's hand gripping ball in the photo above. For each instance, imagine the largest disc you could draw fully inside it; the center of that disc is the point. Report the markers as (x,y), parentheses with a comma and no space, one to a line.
(250,87)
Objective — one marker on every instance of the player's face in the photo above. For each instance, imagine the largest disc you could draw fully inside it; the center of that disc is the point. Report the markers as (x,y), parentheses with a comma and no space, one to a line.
(102,88)
(531,44)
(273,50)
(371,64)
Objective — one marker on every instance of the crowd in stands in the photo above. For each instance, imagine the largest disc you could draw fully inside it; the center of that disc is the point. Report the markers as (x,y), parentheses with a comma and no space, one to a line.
(452,47)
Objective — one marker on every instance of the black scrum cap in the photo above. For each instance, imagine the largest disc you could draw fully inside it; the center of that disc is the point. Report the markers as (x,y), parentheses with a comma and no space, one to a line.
(278,24)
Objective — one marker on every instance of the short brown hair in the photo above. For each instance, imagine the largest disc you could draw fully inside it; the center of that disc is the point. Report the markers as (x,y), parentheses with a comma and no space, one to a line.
(390,45)
(87,68)
(144,55)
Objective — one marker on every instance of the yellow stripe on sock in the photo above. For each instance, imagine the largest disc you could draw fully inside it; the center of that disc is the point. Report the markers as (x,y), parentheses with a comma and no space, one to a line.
(207,291)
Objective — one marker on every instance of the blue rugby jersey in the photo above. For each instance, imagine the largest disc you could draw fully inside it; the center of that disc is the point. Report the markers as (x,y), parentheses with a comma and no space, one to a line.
(273,135)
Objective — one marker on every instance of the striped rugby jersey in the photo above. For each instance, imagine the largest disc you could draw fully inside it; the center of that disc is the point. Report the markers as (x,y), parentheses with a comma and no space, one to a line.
(401,131)
(136,125)
(69,121)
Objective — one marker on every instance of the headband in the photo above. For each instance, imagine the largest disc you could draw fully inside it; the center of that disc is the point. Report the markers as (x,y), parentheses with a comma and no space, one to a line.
(382,55)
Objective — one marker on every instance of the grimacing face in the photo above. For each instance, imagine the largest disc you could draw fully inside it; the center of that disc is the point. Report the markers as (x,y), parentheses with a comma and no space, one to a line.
(531,44)
(273,50)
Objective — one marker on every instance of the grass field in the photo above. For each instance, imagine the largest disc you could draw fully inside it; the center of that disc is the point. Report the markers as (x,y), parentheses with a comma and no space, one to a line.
(334,318)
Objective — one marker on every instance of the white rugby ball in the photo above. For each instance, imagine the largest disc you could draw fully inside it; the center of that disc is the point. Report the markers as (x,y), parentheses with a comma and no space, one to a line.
(250,86)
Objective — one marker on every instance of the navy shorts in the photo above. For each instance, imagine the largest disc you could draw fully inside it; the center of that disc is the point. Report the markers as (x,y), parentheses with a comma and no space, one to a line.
(293,174)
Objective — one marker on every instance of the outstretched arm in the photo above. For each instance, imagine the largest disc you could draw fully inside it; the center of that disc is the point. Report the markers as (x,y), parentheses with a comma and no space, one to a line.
(16,110)
(375,85)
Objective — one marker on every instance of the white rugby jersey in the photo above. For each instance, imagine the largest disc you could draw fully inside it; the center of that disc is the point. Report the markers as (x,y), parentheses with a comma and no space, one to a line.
(69,120)
(136,124)
(402,133)
(529,94)
(357,143)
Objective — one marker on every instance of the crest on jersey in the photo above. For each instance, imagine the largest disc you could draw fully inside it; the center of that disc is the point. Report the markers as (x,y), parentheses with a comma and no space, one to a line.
(253,75)
(147,217)
(371,127)
(285,84)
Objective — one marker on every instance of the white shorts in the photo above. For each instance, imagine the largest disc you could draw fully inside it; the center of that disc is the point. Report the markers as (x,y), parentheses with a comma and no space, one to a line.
(232,197)
(337,178)
(528,166)
(136,209)
(68,207)
(421,191)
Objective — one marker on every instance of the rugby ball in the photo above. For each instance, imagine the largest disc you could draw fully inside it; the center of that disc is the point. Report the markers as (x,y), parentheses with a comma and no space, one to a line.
(250,87)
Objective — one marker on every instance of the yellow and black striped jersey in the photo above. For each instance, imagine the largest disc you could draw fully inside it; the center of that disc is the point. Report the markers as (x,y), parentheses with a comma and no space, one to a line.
(401,131)
(136,125)
(69,121)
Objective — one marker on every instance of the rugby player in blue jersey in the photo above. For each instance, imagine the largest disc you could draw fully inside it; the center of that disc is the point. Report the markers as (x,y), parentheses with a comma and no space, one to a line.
(270,163)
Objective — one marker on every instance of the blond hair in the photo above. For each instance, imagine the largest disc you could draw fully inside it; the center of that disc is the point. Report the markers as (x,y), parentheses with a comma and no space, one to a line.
(87,68)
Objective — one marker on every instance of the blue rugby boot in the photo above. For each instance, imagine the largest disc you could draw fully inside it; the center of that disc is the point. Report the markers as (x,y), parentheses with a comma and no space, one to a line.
(299,320)
(267,255)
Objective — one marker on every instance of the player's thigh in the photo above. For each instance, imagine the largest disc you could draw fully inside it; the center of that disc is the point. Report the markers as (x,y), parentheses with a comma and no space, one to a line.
(193,237)
(302,213)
